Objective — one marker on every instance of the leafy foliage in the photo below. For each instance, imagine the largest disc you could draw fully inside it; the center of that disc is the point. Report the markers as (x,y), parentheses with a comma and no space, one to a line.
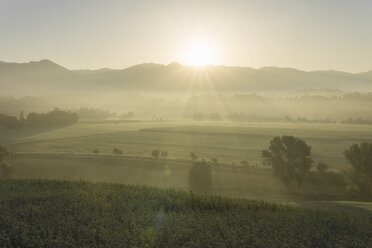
(78,214)
(322,167)
(6,171)
(360,175)
(289,157)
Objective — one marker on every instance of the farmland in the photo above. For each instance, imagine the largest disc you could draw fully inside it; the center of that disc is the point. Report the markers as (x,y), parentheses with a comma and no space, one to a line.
(229,142)
(66,154)
(36,213)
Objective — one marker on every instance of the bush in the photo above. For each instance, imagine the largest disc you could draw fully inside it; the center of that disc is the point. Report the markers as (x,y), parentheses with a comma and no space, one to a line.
(200,177)
(117,151)
(5,170)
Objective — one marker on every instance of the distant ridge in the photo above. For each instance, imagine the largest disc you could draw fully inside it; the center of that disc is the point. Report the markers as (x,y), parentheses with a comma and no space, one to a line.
(47,76)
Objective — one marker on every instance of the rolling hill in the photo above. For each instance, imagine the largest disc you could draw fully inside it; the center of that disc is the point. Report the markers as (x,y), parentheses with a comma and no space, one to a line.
(46,76)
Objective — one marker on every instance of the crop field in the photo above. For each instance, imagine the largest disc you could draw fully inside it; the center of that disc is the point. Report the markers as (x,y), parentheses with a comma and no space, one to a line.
(228,142)
(36,213)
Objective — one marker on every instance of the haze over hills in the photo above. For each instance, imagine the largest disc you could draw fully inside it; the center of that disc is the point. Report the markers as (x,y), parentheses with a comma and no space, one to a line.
(46,76)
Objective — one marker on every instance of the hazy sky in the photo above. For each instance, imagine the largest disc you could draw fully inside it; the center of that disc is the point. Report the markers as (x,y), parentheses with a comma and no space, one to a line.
(309,35)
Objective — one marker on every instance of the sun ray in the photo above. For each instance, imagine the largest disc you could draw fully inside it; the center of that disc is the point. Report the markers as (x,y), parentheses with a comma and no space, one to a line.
(200,54)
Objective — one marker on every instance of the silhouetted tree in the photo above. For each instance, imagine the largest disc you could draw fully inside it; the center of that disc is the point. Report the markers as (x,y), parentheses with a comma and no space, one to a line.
(54,118)
(289,157)
(117,151)
(96,151)
(155,154)
(200,177)
(5,170)
(360,175)
(322,167)
(193,156)
(164,154)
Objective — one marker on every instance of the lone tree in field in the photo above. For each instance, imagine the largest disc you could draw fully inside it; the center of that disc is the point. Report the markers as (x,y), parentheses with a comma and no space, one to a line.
(155,154)
(164,154)
(322,167)
(193,156)
(117,151)
(96,151)
(200,177)
(289,157)
(360,175)
(5,170)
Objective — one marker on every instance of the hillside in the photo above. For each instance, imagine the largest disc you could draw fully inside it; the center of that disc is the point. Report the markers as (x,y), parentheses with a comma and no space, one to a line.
(47,77)
(78,214)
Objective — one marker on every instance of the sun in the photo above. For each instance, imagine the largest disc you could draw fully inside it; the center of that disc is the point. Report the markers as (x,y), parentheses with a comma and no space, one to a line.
(199,55)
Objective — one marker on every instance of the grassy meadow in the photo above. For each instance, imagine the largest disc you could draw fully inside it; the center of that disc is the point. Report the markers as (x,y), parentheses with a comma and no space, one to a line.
(65,153)
(229,142)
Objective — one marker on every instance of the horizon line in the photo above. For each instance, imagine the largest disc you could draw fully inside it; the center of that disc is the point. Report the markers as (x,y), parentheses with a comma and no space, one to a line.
(185,65)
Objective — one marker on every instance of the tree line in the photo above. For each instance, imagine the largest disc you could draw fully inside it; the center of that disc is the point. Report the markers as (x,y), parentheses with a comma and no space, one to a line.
(56,117)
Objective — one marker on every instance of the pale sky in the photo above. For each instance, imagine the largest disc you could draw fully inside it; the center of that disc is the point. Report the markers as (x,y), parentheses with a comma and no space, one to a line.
(91,34)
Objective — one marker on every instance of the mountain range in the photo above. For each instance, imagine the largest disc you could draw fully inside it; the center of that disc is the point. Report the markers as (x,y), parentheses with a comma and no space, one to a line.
(45,76)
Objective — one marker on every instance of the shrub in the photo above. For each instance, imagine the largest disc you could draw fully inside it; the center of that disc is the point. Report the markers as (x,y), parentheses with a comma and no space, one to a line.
(117,151)
(6,171)
(200,177)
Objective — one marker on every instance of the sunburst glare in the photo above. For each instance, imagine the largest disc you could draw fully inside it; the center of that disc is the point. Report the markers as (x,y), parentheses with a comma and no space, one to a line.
(200,54)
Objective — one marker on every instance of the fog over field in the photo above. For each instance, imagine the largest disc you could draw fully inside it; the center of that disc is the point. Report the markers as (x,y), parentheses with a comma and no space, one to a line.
(168,123)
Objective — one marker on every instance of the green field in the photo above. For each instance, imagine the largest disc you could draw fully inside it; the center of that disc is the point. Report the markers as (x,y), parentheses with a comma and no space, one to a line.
(114,215)
(229,142)
(37,213)
(66,153)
